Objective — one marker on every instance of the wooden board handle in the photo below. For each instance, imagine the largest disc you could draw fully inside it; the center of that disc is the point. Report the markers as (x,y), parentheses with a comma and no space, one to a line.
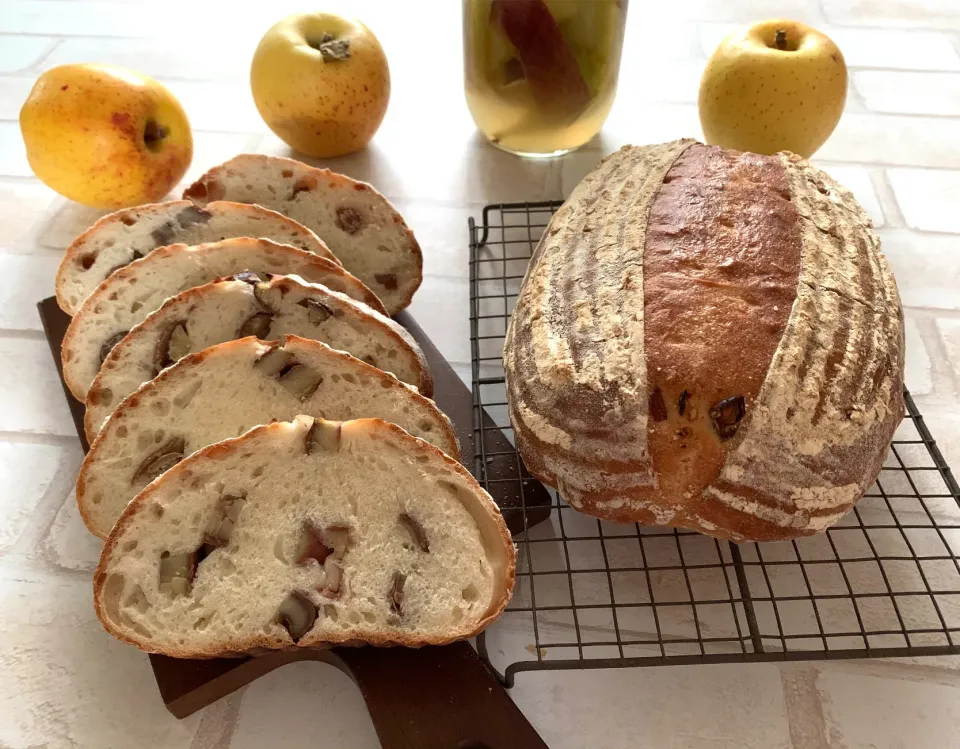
(449,700)
(432,698)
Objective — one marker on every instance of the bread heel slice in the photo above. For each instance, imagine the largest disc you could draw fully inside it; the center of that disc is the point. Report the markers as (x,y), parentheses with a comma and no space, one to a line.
(361,226)
(303,534)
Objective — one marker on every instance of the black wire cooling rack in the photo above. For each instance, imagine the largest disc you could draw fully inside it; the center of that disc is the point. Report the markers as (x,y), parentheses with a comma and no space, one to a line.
(883,582)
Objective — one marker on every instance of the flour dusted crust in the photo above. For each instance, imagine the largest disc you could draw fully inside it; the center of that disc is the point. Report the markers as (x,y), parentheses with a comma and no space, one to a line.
(401,507)
(121,237)
(736,370)
(361,226)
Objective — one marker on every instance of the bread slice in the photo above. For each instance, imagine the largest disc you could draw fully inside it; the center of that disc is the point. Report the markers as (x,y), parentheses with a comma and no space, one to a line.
(124,236)
(304,534)
(361,227)
(226,310)
(225,390)
(133,292)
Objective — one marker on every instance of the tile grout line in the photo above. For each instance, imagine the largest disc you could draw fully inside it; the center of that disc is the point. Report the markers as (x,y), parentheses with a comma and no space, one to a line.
(940,369)
(22,333)
(804,707)
(893,216)
(48,506)
(218,722)
(34,438)
(34,67)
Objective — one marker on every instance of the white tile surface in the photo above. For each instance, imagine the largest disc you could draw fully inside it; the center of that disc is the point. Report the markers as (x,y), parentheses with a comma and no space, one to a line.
(152,57)
(210,149)
(443,235)
(18,53)
(304,705)
(869,711)
(68,221)
(31,399)
(950,332)
(909,93)
(926,268)
(639,122)
(48,656)
(944,424)
(13,92)
(34,274)
(26,473)
(572,709)
(222,106)
(917,376)
(928,199)
(430,166)
(926,14)
(23,204)
(89,18)
(68,543)
(741,11)
(871,48)
(442,308)
(890,139)
(13,156)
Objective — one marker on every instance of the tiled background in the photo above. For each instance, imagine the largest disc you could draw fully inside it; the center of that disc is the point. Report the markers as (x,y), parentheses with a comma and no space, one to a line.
(67,684)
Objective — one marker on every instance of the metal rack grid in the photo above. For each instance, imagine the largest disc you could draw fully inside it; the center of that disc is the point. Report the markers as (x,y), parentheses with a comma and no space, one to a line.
(883,582)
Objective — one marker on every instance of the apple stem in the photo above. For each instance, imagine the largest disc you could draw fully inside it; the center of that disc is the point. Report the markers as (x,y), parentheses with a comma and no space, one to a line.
(780,39)
(331,48)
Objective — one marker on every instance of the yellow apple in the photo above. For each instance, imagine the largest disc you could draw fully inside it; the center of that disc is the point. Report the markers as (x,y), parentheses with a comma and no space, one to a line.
(104,136)
(321,83)
(774,86)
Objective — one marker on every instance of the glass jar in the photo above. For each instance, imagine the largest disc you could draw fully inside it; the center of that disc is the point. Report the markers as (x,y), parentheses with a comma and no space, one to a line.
(541,75)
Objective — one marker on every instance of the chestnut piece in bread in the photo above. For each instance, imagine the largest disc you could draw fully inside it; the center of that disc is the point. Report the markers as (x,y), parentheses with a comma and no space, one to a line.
(707,339)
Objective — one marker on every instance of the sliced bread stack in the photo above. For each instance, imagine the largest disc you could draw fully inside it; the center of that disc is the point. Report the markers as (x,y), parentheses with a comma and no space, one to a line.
(225,390)
(303,534)
(195,324)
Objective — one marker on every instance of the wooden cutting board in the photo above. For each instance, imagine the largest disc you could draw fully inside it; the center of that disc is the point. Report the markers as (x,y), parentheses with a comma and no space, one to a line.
(431,698)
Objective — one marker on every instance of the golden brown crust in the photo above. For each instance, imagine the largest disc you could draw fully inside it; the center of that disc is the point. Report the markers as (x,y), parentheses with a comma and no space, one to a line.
(73,256)
(425,383)
(224,449)
(210,186)
(720,269)
(762,281)
(183,301)
(311,267)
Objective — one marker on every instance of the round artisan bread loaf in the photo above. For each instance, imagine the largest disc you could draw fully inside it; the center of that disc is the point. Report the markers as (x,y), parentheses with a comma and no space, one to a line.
(708,339)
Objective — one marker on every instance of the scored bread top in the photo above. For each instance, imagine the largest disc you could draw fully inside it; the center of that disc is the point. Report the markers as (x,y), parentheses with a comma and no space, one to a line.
(306,533)
(226,310)
(360,225)
(225,390)
(121,237)
(718,348)
(131,293)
